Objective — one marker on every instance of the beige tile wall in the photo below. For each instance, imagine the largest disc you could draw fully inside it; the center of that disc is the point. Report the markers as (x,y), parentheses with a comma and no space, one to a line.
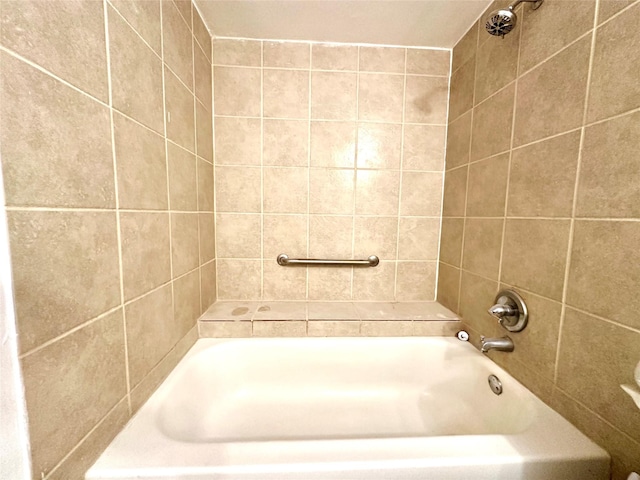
(106,146)
(541,195)
(328,151)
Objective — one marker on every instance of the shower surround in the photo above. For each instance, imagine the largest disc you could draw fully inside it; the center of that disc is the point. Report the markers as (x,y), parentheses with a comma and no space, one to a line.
(541,195)
(83,224)
(328,151)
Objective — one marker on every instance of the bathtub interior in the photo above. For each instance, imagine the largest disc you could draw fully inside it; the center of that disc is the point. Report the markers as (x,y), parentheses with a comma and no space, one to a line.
(302,389)
(345,408)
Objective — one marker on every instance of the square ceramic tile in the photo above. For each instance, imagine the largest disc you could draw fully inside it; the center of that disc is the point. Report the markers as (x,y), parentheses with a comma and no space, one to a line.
(423,147)
(333,144)
(238,235)
(379,145)
(330,236)
(331,191)
(283,283)
(421,194)
(239,279)
(333,95)
(418,238)
(286,190)
(238,189)
(426,100)
(285,93)
(237,141)
(236,91)
(380,97)
(285,143)
(369,185)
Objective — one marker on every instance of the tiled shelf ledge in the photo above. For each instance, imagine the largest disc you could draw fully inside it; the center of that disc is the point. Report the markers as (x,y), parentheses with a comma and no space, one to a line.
(327,319)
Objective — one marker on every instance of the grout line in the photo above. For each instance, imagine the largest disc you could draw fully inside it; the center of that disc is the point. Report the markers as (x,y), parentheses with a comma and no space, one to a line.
(493,156)
(567,270)
(195,146)
(511,217)
(107,312)
(343,215)
(213,172)
(333,120)
(106,105)
(91,209)
(166,146)
(198,100)
(443,172)
(125,20)
(601,318)
(117,199)
(125,210)
(201,47)
(490,97)
(617,14)
(313,167)
(546,298)
(466,192)
(464,231)
(584,35)
(337,44)
(613,117)
(556,135)
(511,141)
(355,174)
(597,415)
(180,14)
(166,153)
(299,69)
(400,178)
(557,52)
(262,170)
(161,56)
(70,332)
(466,32)
(308,212)
(52,75)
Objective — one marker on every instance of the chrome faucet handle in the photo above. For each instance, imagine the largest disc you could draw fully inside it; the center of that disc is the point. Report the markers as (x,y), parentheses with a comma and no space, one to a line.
(510,310)
(500,310)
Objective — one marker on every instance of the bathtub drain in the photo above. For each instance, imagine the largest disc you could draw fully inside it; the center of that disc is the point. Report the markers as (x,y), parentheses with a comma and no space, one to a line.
(495,384)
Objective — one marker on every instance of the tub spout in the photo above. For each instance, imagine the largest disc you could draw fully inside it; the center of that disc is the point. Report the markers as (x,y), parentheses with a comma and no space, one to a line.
(504,344)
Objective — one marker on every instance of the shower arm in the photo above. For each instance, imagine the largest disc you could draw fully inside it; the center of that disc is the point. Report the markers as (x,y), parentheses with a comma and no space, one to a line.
(536,4)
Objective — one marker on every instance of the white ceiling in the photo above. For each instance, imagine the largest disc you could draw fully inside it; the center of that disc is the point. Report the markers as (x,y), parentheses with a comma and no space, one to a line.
(425,23)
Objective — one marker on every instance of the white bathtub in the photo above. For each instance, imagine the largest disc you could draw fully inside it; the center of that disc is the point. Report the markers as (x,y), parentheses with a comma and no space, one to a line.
(345,408)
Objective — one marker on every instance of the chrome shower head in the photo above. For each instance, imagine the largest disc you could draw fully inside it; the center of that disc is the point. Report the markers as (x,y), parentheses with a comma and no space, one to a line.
(501,22)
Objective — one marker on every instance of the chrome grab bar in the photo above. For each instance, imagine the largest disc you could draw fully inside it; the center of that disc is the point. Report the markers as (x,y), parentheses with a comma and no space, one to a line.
(284,260)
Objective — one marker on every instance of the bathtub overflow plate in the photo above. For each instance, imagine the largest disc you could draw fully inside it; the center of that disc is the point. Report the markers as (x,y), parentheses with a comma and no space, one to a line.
(495,384)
